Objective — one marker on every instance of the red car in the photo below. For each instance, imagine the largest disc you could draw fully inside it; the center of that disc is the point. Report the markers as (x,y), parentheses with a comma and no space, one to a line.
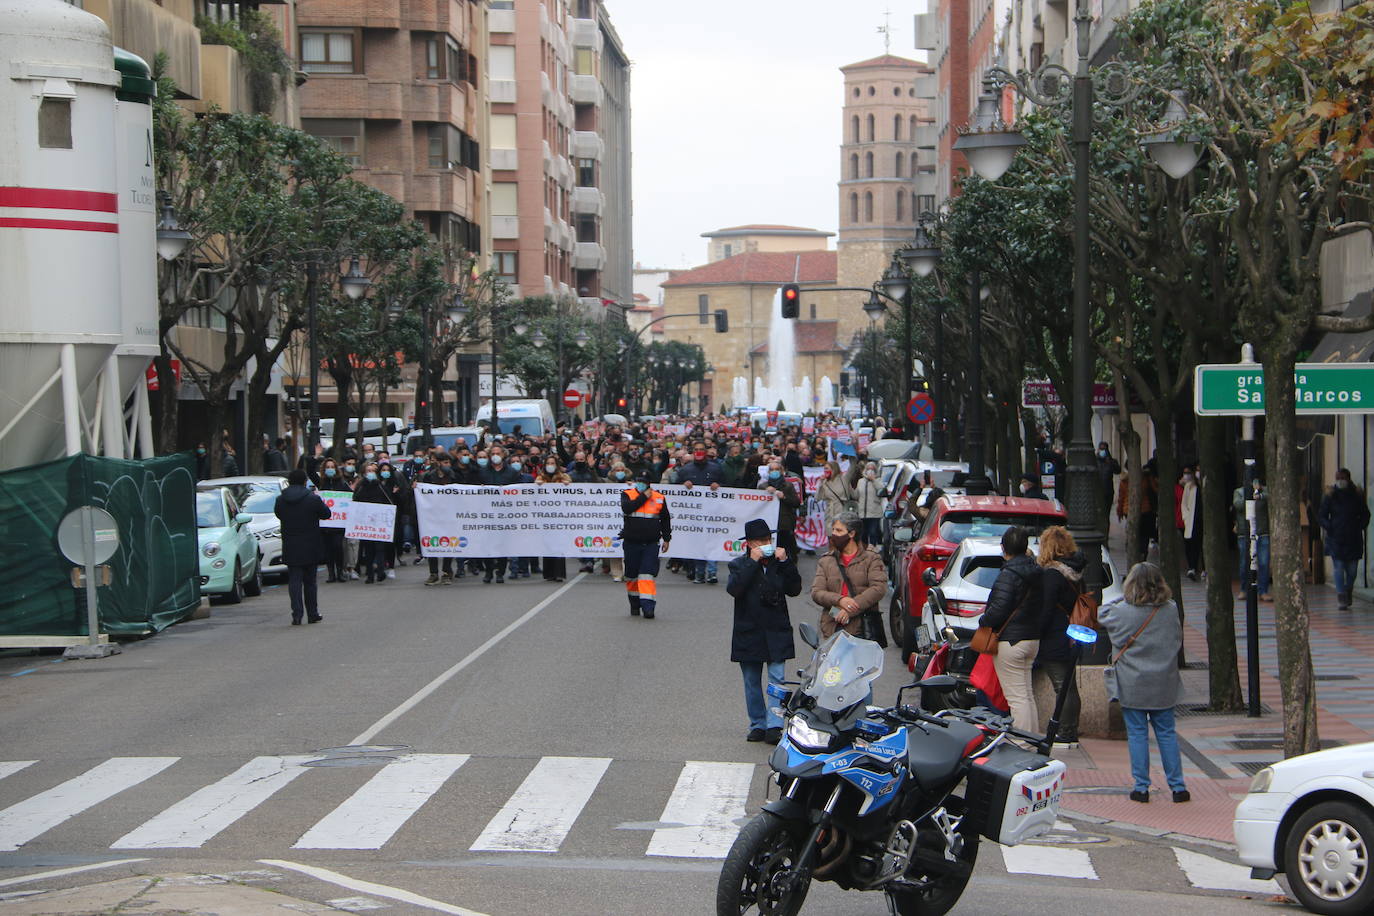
(928,545)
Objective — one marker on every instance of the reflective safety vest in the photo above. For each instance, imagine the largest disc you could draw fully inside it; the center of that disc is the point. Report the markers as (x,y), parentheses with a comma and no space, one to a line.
(652,507)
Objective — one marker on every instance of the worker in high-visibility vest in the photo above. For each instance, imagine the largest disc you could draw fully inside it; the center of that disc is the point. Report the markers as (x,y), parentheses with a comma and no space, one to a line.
(647,523)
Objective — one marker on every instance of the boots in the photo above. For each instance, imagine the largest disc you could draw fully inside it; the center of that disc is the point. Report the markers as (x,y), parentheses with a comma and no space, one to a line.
(432,580)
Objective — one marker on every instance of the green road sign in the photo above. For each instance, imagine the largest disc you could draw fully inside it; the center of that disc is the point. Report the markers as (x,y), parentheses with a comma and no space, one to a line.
(1231,389)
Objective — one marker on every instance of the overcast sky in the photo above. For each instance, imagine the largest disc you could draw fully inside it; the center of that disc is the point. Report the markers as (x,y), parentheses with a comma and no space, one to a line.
(736,111)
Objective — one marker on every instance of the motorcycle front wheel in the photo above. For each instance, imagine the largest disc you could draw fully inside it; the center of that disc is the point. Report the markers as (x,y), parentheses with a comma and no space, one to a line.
(756,874)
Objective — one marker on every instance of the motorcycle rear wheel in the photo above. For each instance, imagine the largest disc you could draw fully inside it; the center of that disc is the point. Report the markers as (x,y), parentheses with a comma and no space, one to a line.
(758,863)
(942,893)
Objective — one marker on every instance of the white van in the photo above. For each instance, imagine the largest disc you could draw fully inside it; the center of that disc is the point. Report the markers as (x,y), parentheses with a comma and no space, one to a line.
(382,433)
(533,416)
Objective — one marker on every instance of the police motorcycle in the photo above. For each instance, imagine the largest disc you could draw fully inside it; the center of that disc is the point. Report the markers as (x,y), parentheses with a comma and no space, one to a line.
(889,799)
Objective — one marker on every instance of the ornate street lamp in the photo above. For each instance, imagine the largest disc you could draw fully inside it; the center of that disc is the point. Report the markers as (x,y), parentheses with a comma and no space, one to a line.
(172,239)
(1176,155)
(355,282)
(538,338)
(989,144)
(922,255)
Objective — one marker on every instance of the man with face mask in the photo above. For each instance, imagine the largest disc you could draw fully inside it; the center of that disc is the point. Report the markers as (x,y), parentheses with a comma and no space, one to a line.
(761,581)
(1344,515)
(498,471)
(1107,469)
(701,471)
(647,522)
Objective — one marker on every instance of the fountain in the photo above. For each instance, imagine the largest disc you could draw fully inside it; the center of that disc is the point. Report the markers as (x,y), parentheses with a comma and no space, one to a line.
(782,354)
(827,392)
(739,392)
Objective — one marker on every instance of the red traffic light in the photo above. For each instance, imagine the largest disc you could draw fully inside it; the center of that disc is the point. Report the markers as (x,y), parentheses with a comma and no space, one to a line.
(620,403)
(791,300)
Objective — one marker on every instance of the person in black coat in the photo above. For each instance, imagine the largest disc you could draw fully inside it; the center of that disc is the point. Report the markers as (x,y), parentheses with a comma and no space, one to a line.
(1030,488)
(1015,610)
(761,581)
(1060,585)
(300,511)
(1344,515)
(497,472)
(371,489)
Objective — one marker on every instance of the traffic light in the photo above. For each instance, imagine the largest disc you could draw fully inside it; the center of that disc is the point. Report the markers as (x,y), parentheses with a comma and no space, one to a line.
(791,300)
(621,402)
(722,321)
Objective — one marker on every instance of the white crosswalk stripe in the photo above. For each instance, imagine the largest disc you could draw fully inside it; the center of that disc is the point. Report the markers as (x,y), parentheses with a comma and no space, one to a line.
(1213,874)
(1051,861)
(199,817)
(8,767)
(704,811)
(374,813)
(541,812)
(37,815)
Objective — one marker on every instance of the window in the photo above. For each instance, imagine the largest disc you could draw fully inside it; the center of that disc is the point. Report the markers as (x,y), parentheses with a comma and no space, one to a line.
(587,228)
(502,62)
(504,199)
(729,251)
(434,61)
(900,163)
(586,173)
(901,208)
(868,165)
(925,204)
(502,4)
(55,123)
(896,127)
(506,264)
(912,134)
(871,130)
(813,311)
(853,165)
(331,50)
(854,121)
(502,127)
(585,63)
(868,206)
(343,135)
(449,148)
(703,308)
(853,208)
(457,231)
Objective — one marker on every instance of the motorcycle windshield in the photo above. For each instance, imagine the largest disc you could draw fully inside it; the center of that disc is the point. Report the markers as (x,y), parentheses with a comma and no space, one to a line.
(841,671)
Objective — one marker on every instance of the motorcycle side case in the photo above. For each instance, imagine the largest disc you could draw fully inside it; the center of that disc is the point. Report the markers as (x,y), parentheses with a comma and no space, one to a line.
(1014,794)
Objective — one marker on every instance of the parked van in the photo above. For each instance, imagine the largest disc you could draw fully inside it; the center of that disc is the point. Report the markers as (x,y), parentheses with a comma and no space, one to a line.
(533,416)
(382,433)
(445,437)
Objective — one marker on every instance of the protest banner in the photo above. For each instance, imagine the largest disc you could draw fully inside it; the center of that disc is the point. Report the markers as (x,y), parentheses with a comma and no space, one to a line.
(339,502)
(808,425)
(371,521)
(811,533)
(578,520)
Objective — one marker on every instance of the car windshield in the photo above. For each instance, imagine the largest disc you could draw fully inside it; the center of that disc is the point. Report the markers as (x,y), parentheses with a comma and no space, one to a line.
(841,671)
(956,526)
(259,500)
(210,510)
(529,426)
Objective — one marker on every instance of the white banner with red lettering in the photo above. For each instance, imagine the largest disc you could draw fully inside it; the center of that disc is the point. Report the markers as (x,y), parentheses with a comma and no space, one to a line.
(578,520)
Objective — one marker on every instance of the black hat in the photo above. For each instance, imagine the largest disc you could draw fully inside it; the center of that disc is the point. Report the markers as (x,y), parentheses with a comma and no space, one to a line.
(644,475)
(757,530)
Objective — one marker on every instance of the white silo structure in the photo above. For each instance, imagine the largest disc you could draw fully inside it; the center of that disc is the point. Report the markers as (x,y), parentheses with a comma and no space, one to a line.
(61,314)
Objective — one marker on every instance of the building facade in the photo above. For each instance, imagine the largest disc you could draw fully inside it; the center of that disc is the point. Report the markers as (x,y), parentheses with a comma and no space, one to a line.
(559,123)
(726,243)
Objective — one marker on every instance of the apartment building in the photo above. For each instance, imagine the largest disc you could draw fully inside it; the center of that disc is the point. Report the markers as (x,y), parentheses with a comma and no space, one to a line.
(559,123)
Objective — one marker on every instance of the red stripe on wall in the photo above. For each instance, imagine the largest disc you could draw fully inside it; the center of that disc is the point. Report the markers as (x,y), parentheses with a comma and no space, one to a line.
(24,223)
(58,199)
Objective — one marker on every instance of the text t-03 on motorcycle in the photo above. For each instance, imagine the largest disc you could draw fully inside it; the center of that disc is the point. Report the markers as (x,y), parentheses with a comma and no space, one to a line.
(888,799)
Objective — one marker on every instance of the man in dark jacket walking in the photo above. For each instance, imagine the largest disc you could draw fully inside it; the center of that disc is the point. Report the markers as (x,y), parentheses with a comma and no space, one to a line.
(1344,515)
(300,511)
(647,522)
(761,581)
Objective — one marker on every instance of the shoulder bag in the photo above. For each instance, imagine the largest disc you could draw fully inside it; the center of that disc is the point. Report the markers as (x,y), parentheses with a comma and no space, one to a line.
(1109,672)
(872,626)
(985,639)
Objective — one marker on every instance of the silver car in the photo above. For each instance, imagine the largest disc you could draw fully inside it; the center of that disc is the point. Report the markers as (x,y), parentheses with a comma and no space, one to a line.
(257,496)
(967,581)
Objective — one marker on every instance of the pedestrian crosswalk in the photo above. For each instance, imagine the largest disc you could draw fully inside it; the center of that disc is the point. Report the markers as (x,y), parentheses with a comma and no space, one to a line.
(705,805)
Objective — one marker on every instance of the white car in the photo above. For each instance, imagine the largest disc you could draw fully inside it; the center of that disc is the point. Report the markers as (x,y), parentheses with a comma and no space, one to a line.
(257,496)
(1312,818)
(967,582)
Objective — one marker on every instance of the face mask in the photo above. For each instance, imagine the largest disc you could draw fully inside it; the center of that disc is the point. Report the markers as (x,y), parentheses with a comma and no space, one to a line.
(641,486)
(386,475)
(481,462)
(200,451)
(465,459)
(870,474)
(349,469)
(497,459)
(700,457)
(330,472)
(1342,484)
(1188,478)
(1102,453)
(774,475)
(826,473)
(619,475)
(551,468)
(1025,488)
(839,541)
(672,461)
(371,475)
(515,465)
(768,550)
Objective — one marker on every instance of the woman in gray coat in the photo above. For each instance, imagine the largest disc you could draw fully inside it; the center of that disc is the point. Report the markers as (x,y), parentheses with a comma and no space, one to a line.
(1146,635)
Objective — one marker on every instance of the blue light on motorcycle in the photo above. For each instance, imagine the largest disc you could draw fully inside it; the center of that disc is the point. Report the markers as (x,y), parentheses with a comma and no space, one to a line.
(777,691)
(1079,633)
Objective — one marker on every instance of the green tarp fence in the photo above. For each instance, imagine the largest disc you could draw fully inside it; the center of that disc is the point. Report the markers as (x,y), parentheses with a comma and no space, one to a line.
(155,575)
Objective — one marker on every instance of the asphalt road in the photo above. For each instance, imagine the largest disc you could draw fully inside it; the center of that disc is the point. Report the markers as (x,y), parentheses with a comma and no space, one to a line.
(199,750)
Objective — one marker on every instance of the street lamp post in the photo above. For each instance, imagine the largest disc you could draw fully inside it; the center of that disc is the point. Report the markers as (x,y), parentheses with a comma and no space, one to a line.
(978,483)
(990,148)
(920,259)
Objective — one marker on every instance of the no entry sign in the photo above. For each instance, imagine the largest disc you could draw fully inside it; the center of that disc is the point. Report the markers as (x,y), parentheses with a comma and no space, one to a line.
(921,408)
(571,398)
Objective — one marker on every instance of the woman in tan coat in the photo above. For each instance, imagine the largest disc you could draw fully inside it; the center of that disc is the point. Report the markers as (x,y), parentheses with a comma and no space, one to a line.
(841,607)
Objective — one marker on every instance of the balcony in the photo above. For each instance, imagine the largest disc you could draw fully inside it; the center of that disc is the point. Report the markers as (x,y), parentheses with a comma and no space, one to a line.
(146,27)
(546,90)
(588,256)
(548,285)
(567,238)
(925,183)
(440,101)
(501,90)
(504,160)
(585,90)
(588,201)
(563,171)
(587,144)
(927,136)
(441,191)
(500,21)
(388,181)
(587,34)
(550,227)
(505,227)
(342,97)
(927,87)
(928,32)
(223,81)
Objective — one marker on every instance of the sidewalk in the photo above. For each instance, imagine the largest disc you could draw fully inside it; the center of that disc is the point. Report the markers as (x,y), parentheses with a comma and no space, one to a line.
(1222,752)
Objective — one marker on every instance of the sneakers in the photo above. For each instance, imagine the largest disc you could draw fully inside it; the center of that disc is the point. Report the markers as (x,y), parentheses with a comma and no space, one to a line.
(500,580)
(1192,574)
(1139,796)
(1182,796)
(755,734)
(432,580)
(446,579)
(712,581)
(391,573)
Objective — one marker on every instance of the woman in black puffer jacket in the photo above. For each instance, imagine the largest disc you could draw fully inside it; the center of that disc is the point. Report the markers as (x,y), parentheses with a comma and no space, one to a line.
(1061,585)
(1014,609)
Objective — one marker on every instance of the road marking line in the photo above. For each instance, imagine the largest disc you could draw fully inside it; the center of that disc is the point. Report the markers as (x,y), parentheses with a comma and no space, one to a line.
(63,872)
(1051,861)
(367,887)
(8,767)
(197,818)
(475,654)
(539,815)
(373,814)
(34,816)
(708,801)
(1212,874)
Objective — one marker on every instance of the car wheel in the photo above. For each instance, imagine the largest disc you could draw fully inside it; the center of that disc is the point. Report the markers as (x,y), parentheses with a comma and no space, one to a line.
(235,593)
(1326,858)
(253,587)
(896,621)
(908,641)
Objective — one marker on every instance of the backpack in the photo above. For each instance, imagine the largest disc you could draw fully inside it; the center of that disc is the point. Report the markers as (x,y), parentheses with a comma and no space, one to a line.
(1084,612)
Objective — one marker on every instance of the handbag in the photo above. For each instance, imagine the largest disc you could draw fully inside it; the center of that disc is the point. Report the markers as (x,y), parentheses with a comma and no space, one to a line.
(1109,673)
(985,639)
(871,626)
